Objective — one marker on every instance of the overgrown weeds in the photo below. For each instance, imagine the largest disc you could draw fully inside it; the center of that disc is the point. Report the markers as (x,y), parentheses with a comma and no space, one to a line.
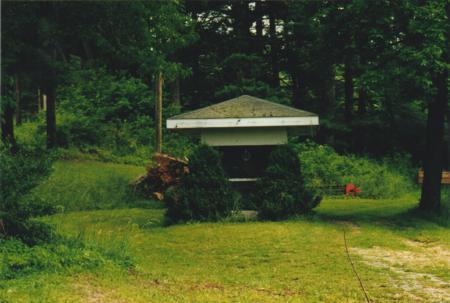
(323,167)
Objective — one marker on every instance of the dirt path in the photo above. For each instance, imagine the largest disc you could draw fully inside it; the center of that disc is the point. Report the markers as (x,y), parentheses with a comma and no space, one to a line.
(409,269)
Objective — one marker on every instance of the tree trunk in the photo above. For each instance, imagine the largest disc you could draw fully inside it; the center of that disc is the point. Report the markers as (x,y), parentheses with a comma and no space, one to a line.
(434,153)
(298,76)
(61,53)
(18,100)
(7,122)
(360,131)
(158,111)
(348,79)
(259,28)
(430,199)
(332,87)
(175,91)
(328,94)
(362,101)
(296,92)
(275,80)
(298,89)
(87,49)
(39,100)
(448,136)
(51,116)
(241,24)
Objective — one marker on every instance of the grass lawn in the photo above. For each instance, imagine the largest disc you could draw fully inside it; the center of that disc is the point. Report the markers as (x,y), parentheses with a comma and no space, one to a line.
(399,257)
(88,185)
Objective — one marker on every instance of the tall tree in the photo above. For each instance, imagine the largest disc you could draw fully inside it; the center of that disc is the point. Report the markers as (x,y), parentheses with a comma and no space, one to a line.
(349,90)
(7,113)
(50,68)
(159,81)
(426,49)
(18,100)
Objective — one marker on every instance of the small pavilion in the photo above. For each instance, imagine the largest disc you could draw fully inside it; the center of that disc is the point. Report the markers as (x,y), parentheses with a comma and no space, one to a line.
(245,129)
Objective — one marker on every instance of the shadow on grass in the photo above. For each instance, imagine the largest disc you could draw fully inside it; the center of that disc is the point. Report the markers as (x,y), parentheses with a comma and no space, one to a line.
(393,217)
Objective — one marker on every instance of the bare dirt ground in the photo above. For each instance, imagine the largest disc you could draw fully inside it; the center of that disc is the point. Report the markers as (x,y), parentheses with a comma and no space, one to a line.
(410,269)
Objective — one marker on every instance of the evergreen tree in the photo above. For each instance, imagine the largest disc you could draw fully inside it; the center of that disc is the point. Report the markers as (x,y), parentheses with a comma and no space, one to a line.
(204,194)
(281,190)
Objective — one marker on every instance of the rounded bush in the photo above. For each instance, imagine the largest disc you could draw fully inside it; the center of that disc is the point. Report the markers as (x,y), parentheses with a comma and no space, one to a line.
(204,194)
(281,190)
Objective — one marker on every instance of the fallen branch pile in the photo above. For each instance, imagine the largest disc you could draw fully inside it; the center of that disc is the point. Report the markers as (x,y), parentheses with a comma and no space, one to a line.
(164,172)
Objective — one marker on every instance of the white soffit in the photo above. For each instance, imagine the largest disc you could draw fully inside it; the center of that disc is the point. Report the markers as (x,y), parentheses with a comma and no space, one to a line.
(244,136)
(242,122)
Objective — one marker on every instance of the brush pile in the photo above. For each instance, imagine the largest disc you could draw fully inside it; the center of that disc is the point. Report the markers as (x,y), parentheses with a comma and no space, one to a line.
(164,172)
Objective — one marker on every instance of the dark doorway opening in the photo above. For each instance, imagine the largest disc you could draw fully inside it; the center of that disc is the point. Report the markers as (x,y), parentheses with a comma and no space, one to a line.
(245,161)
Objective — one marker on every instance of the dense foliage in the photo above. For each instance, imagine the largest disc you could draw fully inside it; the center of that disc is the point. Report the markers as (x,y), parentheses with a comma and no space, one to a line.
(105,117)
(204,194)
(22,168)
(324,170)
(281,191)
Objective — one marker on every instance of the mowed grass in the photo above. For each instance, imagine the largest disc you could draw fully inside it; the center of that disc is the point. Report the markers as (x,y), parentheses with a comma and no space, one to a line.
(399,257)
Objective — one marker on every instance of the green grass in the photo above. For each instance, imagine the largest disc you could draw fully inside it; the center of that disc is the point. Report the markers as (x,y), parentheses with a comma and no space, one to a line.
(87,185)
(398,255)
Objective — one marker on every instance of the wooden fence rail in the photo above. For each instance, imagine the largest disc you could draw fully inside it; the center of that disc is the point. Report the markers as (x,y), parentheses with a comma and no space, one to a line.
(445,177)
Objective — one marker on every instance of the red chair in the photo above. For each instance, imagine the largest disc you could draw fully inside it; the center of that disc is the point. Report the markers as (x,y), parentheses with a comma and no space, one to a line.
(351,189)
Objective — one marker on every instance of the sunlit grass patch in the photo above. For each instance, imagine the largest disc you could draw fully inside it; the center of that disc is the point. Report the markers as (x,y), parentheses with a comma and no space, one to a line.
(90,185)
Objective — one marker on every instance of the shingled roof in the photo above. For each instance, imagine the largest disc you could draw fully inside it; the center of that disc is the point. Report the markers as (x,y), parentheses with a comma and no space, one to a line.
(244,106)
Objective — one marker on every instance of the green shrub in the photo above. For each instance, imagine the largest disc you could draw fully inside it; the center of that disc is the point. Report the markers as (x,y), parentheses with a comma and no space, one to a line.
(323,167)
(178,145)
(32,133)
(204,194)
(281,190)
(21,171)
(77,130)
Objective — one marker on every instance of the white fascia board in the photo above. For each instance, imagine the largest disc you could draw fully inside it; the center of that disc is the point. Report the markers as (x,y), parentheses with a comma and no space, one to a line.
(243,179)
(242,122)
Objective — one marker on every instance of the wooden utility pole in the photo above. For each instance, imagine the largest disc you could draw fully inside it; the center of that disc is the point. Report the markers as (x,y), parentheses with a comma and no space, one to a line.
(159,81)
(44,102)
